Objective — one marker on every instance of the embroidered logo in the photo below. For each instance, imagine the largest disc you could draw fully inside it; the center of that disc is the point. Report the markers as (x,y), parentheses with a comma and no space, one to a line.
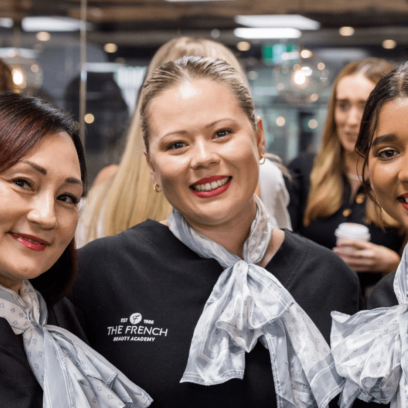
(135,318)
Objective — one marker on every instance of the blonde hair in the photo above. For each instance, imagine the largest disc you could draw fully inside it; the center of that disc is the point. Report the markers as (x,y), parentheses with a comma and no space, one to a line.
(127,198)
(326,179)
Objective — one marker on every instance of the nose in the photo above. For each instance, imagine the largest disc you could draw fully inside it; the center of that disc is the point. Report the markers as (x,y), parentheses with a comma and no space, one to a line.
(403,170)
(354,117)
(203,155)
(42,211)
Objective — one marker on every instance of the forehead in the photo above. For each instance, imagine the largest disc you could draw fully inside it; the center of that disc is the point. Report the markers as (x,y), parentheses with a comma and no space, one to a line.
(393,118)
(354,87)
(195,101)
(56,153)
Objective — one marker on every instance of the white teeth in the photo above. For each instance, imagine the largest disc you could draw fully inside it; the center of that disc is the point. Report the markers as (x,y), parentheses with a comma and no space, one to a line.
(406,199)
(211,186)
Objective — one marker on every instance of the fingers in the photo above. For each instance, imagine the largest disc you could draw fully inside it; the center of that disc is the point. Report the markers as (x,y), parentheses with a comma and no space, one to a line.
(354,243)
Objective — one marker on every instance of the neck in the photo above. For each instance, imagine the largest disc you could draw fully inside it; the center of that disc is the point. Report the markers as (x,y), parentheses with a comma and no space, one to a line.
(12,284)
(231,234)
(352,163)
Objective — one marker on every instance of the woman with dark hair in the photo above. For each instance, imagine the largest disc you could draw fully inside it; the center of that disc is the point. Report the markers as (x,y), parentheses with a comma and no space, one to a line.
(370,347)
(327,188)
(216,306)
(43,361)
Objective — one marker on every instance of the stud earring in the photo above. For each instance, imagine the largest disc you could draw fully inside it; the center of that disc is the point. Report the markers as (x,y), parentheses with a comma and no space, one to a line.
(262,161)
(156,188)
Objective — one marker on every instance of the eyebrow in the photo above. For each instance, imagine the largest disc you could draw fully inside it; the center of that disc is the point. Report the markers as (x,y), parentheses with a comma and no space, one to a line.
(384,139)
(40,169)
(184,132)
(35,166)
(348,100)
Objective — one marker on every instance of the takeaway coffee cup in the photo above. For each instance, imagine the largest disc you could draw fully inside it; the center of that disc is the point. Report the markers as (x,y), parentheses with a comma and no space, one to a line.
(350,230)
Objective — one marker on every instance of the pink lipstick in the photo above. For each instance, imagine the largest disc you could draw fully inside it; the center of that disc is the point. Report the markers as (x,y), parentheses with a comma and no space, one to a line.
(30,241)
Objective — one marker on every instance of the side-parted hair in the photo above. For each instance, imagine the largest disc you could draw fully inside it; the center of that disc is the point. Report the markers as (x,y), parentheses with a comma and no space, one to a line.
(24,122)
(326,179)
(392,86)
(194,68)
(127,198)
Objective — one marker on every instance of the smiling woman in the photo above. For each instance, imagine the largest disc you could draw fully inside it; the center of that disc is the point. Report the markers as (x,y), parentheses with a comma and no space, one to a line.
(42,178)
(370,348)
(216,276)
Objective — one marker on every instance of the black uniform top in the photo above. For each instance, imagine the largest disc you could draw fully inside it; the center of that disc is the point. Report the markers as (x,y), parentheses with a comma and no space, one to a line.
(143,291)
(321,230)
(18,386)
(383,294)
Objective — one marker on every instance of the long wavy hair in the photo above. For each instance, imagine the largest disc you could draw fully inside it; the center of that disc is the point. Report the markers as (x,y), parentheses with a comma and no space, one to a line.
(127,198)
(326,179)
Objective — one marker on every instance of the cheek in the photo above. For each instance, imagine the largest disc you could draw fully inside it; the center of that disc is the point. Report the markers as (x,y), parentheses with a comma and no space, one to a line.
(339,118)
(67,223)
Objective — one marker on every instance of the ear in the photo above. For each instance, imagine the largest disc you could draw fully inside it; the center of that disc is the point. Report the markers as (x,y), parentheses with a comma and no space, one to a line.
(150,164)
(260,136)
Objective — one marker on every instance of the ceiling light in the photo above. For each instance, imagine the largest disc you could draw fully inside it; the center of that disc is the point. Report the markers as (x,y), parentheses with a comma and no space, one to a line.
(50,24)
(278,20)
(18,77)
(389,44)
(321,66)
(89,118)
(299,77)
(346,31)
(110,48)
(6,22)
(312,124)
(253,33)
(306,53)
(43,36)
(314,97)
(243,46)
(35,68)
(280,121)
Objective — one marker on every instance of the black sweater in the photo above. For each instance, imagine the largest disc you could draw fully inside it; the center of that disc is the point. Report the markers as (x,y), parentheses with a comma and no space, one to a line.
(321,230)
(18,386)
(143,291)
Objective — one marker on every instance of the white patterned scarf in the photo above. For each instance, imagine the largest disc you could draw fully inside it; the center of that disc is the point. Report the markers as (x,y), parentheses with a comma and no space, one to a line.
(370,349)
(71,374)
(246,304)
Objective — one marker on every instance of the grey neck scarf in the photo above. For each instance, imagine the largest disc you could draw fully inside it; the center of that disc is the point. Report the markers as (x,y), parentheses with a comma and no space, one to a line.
(71,374)
(248,303)
(370,349)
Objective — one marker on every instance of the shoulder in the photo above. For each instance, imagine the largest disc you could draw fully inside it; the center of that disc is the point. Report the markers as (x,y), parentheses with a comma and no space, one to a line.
(302,164)
(383,293)
(323,263)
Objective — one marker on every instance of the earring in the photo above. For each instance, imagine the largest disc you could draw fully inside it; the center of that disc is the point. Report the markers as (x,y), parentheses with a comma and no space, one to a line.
(262,161)
(156,188)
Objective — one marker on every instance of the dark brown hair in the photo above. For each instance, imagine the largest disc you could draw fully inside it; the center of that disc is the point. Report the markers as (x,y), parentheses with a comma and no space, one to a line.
(6,77)
(24,122)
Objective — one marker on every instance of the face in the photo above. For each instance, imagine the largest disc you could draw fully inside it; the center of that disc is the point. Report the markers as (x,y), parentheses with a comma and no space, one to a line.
(388,160)
(204,152)
(38,209)
(352,93)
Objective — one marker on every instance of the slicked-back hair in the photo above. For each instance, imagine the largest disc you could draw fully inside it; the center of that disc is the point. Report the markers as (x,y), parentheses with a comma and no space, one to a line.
(194,68)
(24,122)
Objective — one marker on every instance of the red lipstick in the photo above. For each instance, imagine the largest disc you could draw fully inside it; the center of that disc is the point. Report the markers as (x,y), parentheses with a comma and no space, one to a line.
(214,192)
(30,241)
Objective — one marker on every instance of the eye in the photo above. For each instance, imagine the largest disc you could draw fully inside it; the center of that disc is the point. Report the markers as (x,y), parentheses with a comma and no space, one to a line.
(175,146)
(387,153)
(223,132)
(68,198)
(343,105)
(23,183)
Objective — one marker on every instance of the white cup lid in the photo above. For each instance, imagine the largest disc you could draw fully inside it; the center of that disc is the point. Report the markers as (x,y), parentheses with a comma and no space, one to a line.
(351,230)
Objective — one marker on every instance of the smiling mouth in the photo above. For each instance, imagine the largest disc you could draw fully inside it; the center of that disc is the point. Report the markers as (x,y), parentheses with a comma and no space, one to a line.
(210,186)
(30,242)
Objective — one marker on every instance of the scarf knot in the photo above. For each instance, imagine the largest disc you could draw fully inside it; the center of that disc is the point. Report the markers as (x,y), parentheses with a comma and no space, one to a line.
(248,304)
(370,349)
(71,374)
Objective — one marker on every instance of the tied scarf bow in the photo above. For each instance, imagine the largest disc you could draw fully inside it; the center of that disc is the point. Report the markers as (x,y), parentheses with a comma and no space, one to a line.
(370,349)
(71,374)
(248,304)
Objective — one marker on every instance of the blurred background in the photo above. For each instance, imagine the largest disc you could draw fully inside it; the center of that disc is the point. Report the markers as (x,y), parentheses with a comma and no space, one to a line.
(291,51)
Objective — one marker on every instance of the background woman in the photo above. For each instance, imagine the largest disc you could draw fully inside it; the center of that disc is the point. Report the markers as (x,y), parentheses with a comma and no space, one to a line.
(42,178)
(327,190)
(204,144)
(122,195)
(370,347)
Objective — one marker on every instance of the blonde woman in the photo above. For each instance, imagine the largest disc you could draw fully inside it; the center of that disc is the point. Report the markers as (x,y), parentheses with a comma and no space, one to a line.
(327,189)
(123,195)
